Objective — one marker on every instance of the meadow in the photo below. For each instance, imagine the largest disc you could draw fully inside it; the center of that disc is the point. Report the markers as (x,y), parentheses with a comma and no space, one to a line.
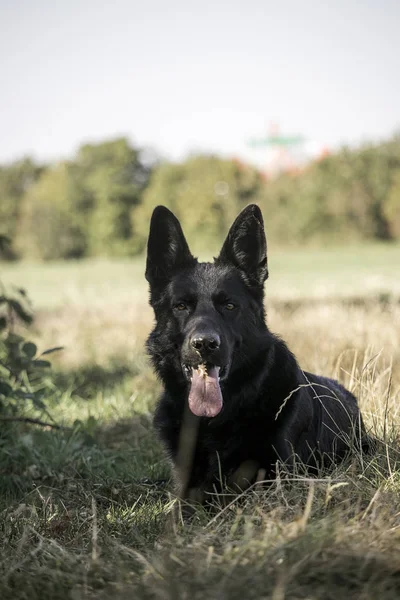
(85,510)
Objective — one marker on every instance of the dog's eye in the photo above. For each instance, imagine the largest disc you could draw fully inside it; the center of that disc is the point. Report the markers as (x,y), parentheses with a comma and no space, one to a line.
(230,306)
(181,306)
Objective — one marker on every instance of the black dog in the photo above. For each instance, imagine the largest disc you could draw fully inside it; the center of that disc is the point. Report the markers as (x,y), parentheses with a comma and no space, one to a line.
(235,400)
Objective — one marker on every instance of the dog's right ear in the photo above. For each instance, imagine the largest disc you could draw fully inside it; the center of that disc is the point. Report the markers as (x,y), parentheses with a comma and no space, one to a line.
(167,248)
(246,247)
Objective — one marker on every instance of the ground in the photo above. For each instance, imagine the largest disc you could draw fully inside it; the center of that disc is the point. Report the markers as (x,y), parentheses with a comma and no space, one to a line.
(85,511)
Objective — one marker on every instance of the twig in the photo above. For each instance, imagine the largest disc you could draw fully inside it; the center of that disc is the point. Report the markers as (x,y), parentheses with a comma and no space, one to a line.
(34,422)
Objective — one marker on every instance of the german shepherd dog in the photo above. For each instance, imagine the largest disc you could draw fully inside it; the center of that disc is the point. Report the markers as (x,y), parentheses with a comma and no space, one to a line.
(235,402)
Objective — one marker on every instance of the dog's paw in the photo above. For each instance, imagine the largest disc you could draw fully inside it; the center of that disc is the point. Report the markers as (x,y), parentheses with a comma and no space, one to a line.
(244,476)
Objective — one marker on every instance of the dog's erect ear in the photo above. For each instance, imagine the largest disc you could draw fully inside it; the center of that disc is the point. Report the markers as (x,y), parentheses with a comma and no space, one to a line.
(167,248)
(246,248)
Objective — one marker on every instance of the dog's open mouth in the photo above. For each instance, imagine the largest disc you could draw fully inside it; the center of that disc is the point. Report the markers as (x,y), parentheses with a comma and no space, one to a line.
(205,396)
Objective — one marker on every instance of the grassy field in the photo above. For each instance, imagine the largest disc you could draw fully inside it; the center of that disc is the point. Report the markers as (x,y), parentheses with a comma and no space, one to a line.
(85,510)
(294,274)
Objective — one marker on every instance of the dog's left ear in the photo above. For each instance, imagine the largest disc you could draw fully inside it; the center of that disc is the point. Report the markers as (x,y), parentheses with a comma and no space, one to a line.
(246,248)
(167,248)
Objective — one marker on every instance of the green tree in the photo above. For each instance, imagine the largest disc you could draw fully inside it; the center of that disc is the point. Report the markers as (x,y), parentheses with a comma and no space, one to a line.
(341,198)
(205,192)
(50,226)
(110,177)
(15,180)
(392,207)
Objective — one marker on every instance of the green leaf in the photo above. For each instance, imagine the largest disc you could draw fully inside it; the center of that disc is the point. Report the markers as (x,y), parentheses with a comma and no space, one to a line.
(22,393)
(29,349)
(5,389)
(41,363)
(4,241)
(23,312)
(38,403)
(50,350)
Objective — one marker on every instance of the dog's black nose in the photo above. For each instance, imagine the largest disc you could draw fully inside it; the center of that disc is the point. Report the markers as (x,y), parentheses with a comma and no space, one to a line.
(205,343)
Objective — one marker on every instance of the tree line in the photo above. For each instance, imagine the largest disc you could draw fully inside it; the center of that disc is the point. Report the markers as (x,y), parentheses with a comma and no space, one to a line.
(99,203)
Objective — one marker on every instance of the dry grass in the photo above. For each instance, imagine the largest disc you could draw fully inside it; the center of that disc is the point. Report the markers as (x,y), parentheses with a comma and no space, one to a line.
(355,343)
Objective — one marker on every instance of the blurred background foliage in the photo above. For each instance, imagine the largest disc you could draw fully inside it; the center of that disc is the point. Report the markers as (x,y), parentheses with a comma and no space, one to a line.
(99,203)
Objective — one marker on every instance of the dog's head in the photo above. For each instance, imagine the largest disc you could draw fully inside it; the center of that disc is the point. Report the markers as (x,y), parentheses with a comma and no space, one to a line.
(207,314)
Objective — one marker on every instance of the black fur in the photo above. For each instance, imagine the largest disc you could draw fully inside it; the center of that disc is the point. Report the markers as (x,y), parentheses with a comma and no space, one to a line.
(272,410)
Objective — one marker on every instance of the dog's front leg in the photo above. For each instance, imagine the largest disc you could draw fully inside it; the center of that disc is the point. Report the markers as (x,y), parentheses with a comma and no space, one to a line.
(185,457)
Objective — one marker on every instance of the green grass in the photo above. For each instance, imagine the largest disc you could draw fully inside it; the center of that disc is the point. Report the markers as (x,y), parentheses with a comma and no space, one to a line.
(297,273)
(348,271)
(56,284)
(85,511)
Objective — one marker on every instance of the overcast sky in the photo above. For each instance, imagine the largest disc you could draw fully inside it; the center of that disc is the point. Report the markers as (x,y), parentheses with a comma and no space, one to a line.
(182,76)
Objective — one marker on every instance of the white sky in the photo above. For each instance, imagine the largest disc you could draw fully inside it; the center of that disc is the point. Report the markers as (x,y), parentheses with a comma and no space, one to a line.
(182,76)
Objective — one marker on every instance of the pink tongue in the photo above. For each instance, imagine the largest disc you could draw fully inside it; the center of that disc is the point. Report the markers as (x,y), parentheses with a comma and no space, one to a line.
(205,397)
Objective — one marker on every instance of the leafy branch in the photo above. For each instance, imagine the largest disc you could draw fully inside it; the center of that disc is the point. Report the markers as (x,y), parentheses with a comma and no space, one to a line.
(23,372)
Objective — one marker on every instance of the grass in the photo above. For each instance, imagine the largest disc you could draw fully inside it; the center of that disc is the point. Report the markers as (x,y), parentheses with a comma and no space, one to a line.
(294,273)
(84,512)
